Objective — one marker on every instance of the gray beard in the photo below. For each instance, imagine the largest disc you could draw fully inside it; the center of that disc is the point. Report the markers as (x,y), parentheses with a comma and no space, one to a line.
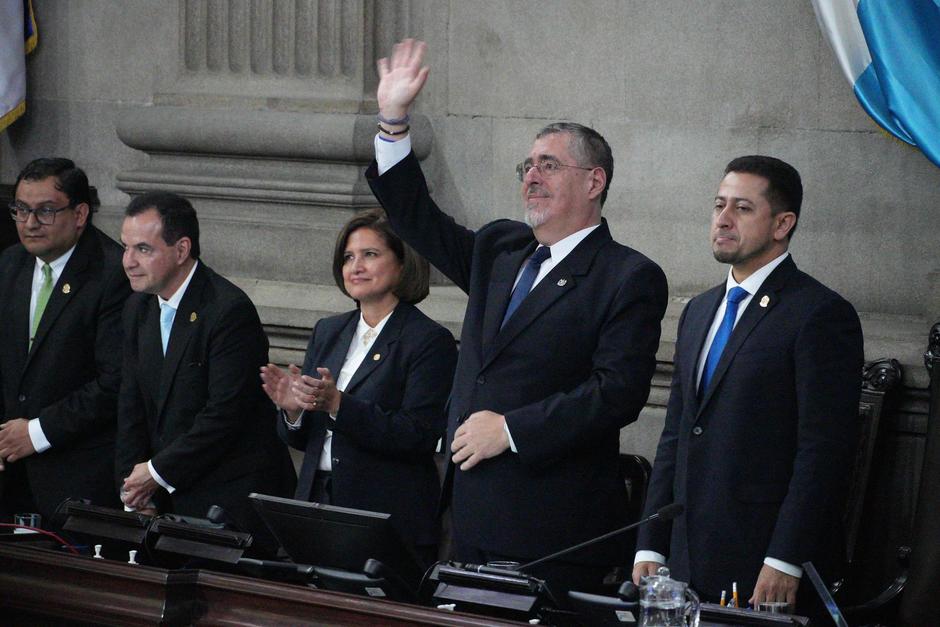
(535,217)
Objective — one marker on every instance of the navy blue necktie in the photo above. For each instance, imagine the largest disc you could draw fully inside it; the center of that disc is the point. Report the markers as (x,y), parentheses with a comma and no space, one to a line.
(735,296)
(524,286)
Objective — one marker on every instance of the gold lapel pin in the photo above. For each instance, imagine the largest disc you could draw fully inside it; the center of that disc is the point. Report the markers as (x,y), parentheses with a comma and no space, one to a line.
(66,288)
(765,301)
(376,357)
(193,317)
(562,282)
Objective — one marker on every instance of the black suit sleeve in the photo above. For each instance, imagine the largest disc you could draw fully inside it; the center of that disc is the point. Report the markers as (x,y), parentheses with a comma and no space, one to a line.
(91,408)
(418,424)
(660,491)
(236,348)
(613,395)
(132,445)
(828,360)
(403,193)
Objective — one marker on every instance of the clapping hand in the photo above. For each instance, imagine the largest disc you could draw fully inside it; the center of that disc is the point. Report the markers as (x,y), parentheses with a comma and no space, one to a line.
(314,394)
(277,383)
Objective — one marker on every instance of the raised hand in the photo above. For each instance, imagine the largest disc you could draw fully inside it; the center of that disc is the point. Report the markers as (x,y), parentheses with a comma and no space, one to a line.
(401,77)
(276,384)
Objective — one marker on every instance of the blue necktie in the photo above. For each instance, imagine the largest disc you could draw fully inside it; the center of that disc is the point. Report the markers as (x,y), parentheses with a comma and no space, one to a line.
(524,286)
(735,296)
(167,314)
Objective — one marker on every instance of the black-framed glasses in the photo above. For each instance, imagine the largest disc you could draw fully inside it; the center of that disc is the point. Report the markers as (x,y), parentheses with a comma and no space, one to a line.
(44,215)
(546,167)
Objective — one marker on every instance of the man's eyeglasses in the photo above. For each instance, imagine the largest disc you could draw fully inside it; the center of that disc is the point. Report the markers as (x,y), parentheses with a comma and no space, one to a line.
(546,167)
(44,215)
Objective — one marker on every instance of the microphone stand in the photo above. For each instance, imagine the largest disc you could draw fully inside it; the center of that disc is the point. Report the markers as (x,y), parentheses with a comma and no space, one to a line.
(663,514)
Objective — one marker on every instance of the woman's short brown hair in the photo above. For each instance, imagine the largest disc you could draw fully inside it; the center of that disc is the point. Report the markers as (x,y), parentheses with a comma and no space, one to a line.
(412,284)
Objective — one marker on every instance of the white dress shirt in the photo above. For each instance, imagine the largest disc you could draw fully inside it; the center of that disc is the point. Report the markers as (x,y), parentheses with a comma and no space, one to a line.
(359,347)
(751,285)
(36,435)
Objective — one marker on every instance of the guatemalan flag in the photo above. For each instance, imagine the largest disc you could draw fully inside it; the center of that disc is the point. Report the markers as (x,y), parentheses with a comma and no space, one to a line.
(17,39)
(890,52)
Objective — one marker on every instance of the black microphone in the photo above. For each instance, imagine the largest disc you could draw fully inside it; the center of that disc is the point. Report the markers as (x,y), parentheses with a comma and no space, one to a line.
(667,512)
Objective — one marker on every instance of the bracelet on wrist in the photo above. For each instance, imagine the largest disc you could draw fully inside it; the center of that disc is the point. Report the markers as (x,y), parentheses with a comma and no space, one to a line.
(393,133)
(393,121)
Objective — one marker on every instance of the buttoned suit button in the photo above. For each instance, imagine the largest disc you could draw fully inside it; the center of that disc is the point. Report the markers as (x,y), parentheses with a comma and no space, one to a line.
(22,397)
(697,431)
(481,380)
(335,460)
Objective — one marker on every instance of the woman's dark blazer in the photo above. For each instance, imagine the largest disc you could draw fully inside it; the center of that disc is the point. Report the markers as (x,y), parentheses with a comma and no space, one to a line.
(389,421)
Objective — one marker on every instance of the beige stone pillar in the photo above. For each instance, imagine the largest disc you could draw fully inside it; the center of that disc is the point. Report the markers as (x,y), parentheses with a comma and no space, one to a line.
(267,128)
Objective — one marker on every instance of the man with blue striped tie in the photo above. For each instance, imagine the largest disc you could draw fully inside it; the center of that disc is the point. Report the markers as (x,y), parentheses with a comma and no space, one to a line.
(761,422)
(557,348)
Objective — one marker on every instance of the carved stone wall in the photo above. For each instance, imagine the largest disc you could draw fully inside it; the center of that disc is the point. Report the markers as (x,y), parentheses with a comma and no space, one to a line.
(316,51)
(267,127)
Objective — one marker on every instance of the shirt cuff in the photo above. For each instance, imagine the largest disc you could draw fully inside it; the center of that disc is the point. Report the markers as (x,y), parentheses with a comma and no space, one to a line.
(784,567)
(649,556)
(156,477)
(512,445)
(292,426)
(388,154)
(37,437)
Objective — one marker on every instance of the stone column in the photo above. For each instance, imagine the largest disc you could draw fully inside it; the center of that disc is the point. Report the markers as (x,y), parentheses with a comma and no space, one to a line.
(267,129)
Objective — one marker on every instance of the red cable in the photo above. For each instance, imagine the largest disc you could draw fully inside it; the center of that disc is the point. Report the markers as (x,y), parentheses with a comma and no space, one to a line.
(52,535)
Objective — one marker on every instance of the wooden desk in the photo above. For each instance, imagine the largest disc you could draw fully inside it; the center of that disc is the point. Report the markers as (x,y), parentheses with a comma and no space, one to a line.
(39,586)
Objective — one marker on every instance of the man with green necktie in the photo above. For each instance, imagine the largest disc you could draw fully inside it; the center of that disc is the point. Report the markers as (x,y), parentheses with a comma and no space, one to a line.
(62,289)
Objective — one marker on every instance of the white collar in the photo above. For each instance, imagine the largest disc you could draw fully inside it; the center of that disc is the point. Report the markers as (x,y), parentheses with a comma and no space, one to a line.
(757,278)
(363,326)
(58,264)
(564,246)
(174,300)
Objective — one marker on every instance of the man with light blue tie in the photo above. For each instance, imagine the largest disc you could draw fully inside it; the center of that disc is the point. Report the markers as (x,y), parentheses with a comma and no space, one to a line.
(195,428)
(761,424)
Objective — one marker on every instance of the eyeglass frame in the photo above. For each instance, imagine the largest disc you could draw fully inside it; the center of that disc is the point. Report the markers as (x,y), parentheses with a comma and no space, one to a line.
(552,164)
(15,207)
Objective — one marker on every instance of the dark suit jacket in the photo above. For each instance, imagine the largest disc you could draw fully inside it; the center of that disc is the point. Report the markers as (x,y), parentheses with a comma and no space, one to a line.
(569,369)
(199,413)
(70,377)
(389,421)
(762,461)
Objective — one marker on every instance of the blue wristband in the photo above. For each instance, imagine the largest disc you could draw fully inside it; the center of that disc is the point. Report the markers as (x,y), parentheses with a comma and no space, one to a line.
(393,122)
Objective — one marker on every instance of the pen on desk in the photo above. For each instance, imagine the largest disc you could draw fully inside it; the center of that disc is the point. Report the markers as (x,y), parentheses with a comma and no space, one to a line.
(724,598)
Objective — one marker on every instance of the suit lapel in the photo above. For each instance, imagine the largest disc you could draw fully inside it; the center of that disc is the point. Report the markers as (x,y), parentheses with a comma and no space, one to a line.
(70,282)
(505,268)
(698,322)
(380,348)
(562,280)
(338,347)
(184,324)
(761,304)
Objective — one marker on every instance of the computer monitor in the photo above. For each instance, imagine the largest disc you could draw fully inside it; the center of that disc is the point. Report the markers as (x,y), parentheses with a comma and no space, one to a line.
(338,538)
